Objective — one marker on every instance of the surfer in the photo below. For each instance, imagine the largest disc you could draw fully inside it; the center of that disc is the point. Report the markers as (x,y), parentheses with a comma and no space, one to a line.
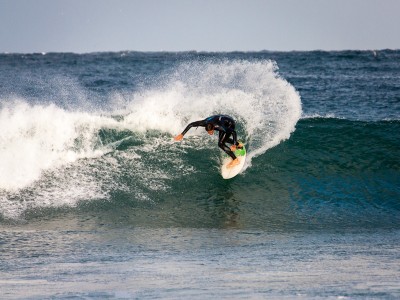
(225,125)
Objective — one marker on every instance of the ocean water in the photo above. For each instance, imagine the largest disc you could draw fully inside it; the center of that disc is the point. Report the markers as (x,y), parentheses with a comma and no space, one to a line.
(97,200)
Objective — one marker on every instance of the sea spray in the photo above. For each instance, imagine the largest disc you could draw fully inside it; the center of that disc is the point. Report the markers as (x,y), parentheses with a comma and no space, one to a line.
(265,105)
(52,156)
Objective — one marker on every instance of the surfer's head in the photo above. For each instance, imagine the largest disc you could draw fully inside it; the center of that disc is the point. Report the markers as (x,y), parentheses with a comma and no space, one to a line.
(210,128)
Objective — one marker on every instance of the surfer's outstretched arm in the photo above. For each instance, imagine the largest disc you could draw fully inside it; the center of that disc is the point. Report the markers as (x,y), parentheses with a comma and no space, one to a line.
(193,124)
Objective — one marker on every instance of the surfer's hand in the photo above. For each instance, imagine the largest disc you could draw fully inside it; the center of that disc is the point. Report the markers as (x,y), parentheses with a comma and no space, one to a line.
(179,137)
(233,148)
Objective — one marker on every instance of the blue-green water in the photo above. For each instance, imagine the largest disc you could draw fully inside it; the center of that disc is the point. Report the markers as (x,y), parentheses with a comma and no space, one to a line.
(98,201)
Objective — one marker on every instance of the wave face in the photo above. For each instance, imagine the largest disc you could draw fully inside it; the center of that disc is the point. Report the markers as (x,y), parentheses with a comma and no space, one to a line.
(91,135)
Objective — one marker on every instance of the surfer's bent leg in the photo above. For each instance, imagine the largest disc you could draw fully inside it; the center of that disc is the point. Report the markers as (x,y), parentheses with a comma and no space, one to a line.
(223,138)
(231,141)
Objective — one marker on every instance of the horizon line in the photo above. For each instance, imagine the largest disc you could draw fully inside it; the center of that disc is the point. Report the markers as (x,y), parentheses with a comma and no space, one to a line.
(195,51)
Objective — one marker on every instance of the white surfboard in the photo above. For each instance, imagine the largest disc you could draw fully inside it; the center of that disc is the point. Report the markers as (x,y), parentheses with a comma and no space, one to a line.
(228,173)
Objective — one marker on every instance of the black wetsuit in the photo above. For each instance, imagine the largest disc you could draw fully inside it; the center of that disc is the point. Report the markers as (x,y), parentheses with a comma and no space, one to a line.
(225,125)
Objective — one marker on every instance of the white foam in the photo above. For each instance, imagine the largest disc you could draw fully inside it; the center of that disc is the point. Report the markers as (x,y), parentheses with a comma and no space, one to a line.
(319,116)
(267,105)
(36,138)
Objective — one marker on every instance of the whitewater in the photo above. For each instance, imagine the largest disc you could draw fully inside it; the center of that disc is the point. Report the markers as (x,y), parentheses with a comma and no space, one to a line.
(43,141)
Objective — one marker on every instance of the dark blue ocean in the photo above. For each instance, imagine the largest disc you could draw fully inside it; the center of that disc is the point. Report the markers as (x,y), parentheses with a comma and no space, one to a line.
(98,201)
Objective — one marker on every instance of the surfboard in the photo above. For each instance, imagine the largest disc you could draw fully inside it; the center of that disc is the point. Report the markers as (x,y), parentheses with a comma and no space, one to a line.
(228,173)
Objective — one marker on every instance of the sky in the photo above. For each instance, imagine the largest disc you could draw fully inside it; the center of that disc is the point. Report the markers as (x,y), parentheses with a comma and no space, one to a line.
(82,26)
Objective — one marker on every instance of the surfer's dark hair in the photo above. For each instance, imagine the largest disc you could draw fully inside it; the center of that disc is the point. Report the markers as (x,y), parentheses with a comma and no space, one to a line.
(209,127)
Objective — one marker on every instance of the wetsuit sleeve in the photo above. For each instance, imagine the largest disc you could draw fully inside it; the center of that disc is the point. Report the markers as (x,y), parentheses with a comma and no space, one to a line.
(194,124)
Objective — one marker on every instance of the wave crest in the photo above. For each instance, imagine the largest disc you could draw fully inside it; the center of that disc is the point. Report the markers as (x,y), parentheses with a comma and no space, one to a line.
(52,157)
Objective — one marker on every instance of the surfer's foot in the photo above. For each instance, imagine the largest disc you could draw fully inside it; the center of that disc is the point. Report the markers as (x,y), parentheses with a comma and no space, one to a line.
(234,147)
(233,163)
